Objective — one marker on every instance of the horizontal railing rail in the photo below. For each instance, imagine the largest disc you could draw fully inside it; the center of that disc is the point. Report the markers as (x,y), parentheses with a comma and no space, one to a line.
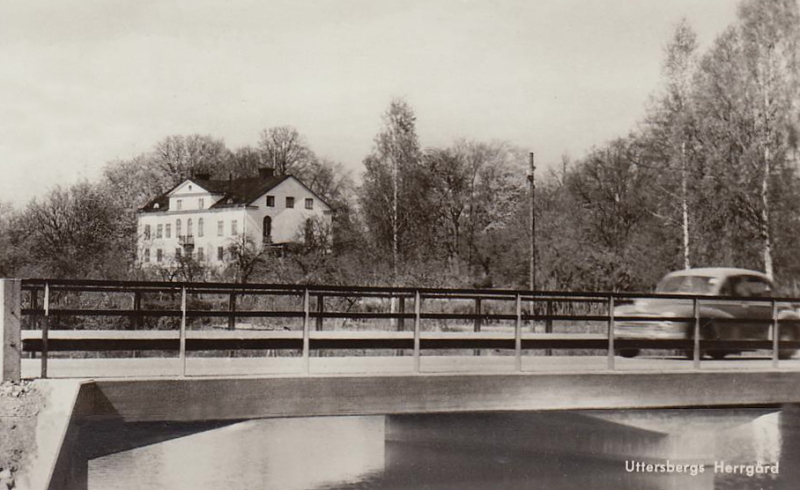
(63,316)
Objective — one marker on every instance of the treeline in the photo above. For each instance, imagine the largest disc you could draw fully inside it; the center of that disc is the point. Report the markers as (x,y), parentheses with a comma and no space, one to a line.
(708,178)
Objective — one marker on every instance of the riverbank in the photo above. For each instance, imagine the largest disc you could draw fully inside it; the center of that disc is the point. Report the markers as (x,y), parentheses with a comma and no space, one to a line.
(20,404)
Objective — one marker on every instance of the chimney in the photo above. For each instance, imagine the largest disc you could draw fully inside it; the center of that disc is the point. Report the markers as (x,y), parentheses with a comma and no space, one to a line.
(266,172)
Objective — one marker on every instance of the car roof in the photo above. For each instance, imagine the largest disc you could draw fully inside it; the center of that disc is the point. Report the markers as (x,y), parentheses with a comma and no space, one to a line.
(719,272)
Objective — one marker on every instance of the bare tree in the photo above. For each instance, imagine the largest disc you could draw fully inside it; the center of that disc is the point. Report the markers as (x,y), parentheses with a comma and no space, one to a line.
(284,149)
(178,157)
(674,118)
(748,91)
(392,196)
(247,257)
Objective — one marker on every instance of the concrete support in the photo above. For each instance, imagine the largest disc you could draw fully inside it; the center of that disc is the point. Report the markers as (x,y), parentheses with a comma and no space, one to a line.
(10,318)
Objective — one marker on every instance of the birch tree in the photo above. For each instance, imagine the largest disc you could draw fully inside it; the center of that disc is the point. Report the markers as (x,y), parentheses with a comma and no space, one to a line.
(393,194)
(748,90)
(673,127)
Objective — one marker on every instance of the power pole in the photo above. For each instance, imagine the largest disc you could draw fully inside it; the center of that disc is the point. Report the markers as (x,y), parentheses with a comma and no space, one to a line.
(532,180)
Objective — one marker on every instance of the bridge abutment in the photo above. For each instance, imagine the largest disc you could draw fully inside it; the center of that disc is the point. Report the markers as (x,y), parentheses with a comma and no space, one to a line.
(10,329)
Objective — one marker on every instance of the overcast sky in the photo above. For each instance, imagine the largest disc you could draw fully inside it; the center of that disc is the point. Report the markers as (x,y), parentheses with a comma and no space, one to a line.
(83,82)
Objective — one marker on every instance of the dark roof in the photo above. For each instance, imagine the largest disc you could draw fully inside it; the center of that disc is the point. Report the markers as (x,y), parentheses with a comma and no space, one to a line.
(235,192)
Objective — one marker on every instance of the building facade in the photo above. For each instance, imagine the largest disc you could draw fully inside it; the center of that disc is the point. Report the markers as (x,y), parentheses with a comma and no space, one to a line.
(203,218)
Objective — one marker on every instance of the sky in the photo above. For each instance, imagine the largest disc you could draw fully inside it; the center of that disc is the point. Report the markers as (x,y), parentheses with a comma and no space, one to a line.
(86,82)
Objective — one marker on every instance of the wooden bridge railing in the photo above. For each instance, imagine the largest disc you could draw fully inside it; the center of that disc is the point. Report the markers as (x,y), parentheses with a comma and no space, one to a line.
(79,315)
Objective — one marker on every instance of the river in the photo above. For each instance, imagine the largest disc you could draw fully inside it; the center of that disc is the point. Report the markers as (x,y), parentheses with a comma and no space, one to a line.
(555,451)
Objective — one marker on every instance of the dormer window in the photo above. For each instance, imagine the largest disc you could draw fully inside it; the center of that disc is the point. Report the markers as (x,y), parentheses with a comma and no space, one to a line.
(156,206)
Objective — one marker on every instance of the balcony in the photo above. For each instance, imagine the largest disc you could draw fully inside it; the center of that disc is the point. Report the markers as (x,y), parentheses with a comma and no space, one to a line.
(186,241)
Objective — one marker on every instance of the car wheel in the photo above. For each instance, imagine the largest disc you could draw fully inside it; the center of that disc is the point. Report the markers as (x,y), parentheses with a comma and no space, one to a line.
(787,353)
(629,353)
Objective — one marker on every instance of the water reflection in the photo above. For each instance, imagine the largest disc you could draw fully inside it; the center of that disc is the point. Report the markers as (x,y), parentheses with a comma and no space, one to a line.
(558,451)
(291,454)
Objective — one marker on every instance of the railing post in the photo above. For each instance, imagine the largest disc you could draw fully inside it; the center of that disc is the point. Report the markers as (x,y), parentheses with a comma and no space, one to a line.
(776,334)
(548,325)
(306,335)
(34,295)
(417,310)
(232,309)
(45,329)
(477,328)
(137,306)
(182,353)
(696,354)
(10,329)
(401,322)
(320,310)
(611,325)
(518,335)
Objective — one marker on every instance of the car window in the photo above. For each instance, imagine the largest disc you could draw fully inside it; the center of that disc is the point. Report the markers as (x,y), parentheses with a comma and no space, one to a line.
(687,285)
(750,286)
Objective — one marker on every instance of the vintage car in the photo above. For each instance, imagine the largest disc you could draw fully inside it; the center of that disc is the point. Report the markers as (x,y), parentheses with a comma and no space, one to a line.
(740,295)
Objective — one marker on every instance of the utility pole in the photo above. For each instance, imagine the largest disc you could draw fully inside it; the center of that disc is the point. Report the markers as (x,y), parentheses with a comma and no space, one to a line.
(532,180)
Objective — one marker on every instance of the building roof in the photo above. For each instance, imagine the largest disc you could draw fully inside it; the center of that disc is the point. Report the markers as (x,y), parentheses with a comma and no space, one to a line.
(234,192)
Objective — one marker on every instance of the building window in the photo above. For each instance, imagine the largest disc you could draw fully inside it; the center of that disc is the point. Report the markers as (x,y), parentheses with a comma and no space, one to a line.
(177,228)
(168,230)
(220,228)
(220,254)
(201,203)
(179,204)
(189,231)
(159,255)
(309,203)
(159,230)
(289,202)
(201,256)
(146,232)
(267,229)
(147,255)
(270,201)
(178,253)
(234,227)
(200,227)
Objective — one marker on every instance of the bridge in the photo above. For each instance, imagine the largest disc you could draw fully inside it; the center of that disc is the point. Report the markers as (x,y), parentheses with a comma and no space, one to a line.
(201,355)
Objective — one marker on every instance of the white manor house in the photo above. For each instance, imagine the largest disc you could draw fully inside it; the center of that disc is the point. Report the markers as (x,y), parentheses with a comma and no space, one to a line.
(203,218)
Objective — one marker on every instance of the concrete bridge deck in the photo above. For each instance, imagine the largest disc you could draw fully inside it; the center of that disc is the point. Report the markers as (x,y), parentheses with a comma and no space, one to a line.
(278,366)
(215,398)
